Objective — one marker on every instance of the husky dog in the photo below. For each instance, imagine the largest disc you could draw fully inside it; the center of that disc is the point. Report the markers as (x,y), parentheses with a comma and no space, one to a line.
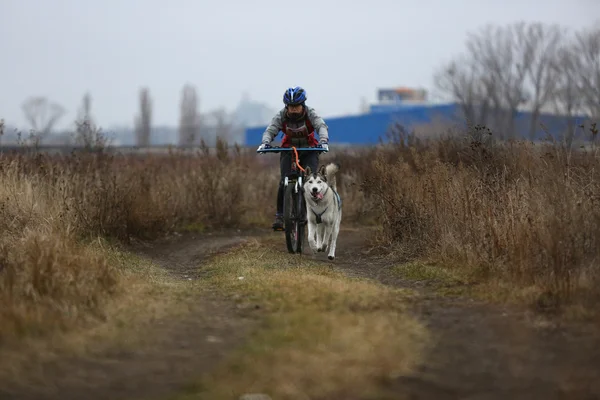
(323,208)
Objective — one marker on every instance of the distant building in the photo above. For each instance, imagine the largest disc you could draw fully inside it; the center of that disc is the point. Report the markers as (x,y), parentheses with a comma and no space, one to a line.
(401,95)
(392,99)
(409,110)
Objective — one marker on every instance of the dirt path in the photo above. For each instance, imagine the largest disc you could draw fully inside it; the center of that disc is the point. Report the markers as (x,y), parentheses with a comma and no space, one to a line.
(482,351)
(174,350)
(485,351)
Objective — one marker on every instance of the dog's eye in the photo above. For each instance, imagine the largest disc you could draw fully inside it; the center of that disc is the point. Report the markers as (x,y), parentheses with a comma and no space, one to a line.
(319,182)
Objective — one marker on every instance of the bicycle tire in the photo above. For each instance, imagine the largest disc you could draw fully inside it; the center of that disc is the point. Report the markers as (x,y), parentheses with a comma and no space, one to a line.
(289,218)
(300,217)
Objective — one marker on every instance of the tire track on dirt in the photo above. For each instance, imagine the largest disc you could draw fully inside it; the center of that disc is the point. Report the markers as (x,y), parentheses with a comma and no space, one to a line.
(484,351)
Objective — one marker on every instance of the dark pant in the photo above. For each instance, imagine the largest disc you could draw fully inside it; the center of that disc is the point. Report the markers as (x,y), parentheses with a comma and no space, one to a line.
(307,159)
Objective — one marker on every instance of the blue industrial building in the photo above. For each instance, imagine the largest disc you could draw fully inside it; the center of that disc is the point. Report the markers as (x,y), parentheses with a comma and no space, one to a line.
(370,128)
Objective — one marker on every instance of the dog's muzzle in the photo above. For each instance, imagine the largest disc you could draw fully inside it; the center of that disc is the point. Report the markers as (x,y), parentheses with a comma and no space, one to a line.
(316,195)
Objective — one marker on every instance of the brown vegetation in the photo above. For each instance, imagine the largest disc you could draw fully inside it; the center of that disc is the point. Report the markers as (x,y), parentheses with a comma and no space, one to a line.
(525,216)
(52,205)
(520,214)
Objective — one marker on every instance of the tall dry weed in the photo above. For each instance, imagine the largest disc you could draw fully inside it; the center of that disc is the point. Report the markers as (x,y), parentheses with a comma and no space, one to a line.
(356,165)
(47,280)
(517,212)
(50,282)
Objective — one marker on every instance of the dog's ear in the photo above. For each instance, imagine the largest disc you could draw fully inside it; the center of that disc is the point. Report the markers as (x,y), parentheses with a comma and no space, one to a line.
(308,171)
(322,170)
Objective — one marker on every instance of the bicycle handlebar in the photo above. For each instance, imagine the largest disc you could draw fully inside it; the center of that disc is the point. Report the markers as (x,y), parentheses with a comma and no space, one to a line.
(280,149)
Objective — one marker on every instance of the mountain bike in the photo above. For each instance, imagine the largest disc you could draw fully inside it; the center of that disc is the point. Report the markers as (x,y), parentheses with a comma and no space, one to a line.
(294,206)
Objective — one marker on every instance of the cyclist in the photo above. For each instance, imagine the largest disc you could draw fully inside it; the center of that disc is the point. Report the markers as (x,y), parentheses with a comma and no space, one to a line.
(298,124)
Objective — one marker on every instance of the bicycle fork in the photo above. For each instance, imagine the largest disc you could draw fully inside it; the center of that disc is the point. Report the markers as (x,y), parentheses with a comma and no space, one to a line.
(297,184)
(302,218)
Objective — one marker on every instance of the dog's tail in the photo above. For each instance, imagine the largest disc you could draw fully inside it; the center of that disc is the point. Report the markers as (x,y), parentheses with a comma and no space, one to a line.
(330,170)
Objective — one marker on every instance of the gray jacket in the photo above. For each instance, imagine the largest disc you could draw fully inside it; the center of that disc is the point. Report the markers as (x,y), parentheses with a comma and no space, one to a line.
(277,124)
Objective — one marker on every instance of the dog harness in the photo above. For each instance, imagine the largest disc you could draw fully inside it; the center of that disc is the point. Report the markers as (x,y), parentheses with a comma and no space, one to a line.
(320,215)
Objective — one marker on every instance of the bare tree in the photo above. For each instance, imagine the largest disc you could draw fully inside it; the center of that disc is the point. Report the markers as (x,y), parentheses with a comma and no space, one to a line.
(42,115)
(542,48)
(189,123)
(86,131)
(487,81)
(465,83)
(504,69)
(143,121)
(586,50)
(502,52)
(85,111)
(567,100)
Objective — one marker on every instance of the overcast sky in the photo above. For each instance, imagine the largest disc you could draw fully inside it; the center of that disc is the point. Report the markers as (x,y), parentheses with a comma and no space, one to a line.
(337,50)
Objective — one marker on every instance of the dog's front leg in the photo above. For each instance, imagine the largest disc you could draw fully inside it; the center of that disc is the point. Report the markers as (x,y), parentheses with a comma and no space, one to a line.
(334,236)
(320,236)
(327,230)
(312,236)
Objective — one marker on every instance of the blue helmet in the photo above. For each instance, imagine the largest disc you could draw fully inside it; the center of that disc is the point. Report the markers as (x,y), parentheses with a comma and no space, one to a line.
(294,96)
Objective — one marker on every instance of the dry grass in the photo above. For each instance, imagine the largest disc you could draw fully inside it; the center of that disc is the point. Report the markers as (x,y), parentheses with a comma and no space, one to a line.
(145,293)
(53,208)
(49,282)
(523,217)
(47,279)
(54,277)
(141,196)
(323,334)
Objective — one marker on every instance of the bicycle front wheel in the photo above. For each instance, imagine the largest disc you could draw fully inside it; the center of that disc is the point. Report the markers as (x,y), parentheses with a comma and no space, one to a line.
(291,214)
(300,220)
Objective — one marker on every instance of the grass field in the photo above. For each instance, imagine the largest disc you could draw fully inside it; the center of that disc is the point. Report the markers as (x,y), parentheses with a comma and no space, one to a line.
(522,221)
